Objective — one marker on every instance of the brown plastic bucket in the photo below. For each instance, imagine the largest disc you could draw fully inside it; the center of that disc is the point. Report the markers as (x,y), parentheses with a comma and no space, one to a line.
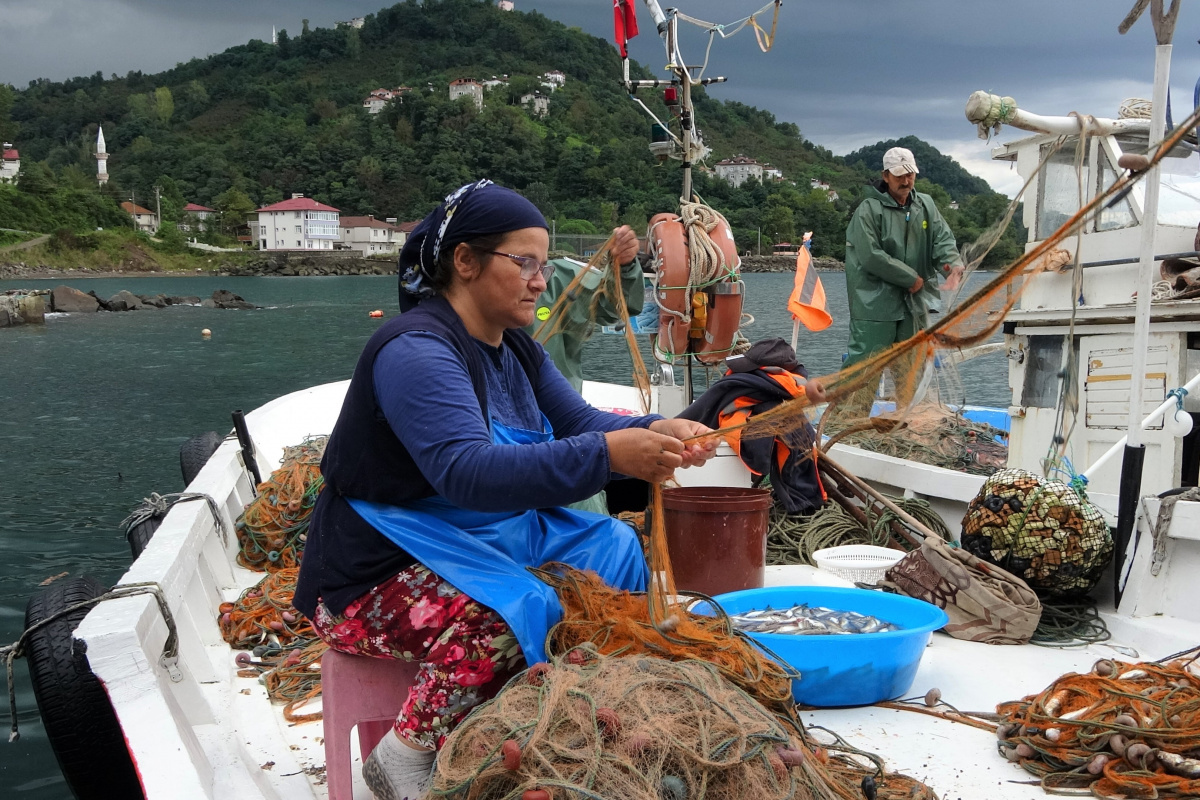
(717,537)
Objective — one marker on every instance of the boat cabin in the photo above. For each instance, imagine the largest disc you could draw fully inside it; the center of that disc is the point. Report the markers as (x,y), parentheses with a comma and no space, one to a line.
(1036,331)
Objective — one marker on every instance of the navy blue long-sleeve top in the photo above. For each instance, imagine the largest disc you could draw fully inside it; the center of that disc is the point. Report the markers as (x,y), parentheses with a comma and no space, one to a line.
(451,443)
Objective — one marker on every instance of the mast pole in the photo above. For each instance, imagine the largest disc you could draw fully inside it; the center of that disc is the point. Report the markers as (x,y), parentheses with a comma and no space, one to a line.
(1135,448)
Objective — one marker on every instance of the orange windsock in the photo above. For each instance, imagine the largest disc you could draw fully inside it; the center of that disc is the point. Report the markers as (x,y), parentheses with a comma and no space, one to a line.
(807,302)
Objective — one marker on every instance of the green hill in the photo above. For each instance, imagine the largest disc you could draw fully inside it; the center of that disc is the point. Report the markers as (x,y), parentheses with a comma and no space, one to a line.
(935,167)
(258,122)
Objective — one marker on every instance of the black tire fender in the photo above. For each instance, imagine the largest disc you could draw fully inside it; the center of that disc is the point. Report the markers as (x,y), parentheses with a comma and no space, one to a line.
(195,452)
(79,720)
(138,536)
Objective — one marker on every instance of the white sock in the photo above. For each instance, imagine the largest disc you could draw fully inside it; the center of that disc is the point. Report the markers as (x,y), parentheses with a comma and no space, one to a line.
(396,771)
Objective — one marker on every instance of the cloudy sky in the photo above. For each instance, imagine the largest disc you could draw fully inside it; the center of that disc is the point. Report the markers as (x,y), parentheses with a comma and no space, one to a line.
(848,72)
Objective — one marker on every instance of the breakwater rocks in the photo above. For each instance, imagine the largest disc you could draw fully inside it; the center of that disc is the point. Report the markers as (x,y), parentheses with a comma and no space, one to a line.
(290,264)
(21,307)
(787,264)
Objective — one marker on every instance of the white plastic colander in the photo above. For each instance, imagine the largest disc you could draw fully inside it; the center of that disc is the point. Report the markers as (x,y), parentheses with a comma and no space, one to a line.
(864,563)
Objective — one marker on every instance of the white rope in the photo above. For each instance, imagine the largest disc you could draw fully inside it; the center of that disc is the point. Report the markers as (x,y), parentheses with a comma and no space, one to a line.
(1134,108)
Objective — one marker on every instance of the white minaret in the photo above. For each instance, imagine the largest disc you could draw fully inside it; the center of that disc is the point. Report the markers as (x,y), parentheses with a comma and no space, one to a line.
(101,159)
(273,39)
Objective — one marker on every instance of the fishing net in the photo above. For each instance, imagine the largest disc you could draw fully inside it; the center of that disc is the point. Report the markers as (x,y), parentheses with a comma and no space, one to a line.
(641,728)
(285,651)
(272,529)
(933,433)
(1041,530)
(1120,731)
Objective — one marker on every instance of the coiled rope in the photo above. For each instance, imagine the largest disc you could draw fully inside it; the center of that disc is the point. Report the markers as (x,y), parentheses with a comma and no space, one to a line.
(793,538)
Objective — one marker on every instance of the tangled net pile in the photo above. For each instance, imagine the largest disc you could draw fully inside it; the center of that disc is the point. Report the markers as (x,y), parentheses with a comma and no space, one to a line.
(792,538)
(272,529)
(932,434)
(640,728)
(285,652)
(1121,731)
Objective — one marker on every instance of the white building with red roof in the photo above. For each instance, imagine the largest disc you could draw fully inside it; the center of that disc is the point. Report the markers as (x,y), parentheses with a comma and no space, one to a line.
(469,88)
(371,236)
(299,223)
(198,216)
(739,169)
(143,218)
(10,163)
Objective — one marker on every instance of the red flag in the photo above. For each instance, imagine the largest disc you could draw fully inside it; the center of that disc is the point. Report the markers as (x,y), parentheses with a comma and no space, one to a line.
(624,24)
(807,302)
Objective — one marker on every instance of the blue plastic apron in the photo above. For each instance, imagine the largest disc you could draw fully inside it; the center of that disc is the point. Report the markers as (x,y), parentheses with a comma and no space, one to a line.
(484,554)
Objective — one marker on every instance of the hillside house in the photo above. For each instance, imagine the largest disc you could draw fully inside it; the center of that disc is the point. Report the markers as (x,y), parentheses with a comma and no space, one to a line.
(299,223)
(371,236)
(10,163)
(197,216)
(465,87)
(493,82)
(356,22)
(143,218)
(537,103)
(554,79)
(506,5)
(378,99)
(739,169)
(772,173)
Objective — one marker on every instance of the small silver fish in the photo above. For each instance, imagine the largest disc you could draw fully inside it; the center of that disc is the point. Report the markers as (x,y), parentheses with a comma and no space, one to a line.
(804,619)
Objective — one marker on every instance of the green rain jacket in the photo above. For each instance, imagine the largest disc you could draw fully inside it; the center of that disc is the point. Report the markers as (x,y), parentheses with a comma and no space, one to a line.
(888,246)
(566,347)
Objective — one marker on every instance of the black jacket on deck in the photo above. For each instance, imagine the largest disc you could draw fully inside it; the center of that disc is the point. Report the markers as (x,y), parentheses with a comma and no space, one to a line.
(796,486)
(344,556)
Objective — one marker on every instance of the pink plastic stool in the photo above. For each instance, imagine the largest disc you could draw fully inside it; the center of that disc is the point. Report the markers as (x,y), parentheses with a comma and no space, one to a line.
(363,691)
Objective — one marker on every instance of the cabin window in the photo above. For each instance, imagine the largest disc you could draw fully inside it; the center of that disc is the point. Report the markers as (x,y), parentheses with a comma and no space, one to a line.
(1043,363)
(1058,189)
(1119,215)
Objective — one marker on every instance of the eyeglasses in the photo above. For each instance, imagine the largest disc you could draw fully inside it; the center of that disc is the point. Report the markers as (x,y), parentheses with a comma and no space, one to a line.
(529,265)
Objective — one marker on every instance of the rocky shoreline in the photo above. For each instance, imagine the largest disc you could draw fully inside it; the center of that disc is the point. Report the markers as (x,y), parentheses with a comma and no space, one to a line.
(304,265)
(30,306)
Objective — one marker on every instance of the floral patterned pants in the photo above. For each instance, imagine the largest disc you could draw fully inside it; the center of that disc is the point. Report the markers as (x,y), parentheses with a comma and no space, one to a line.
(466,651)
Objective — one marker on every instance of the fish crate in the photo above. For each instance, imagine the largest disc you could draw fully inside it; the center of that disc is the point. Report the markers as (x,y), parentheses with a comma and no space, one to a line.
(859,563)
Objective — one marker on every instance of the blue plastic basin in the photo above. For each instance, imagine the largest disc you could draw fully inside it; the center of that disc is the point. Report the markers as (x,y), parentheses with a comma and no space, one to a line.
(845,669)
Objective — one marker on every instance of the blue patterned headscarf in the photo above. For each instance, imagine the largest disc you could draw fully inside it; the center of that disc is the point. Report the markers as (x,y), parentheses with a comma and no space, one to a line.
(477,209)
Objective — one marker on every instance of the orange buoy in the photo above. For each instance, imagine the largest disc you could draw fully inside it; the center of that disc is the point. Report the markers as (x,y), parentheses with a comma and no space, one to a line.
(376,314)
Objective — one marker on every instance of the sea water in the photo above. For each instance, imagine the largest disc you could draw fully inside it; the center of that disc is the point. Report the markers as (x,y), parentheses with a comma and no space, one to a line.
(94,407)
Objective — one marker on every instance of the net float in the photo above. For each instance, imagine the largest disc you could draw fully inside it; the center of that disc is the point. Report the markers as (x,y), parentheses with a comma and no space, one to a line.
(933,697)
(510,752)
(275,625)
(206,333)
(537,673)
(289,617)
(610,722)
(790,756)
(242,658)
(376,314)
(1096,765)
(535,794)
(225,608)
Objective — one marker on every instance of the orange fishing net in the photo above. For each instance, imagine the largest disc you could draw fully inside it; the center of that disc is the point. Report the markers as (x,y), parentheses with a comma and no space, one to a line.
(285,651)
(272,529)
(1121,731)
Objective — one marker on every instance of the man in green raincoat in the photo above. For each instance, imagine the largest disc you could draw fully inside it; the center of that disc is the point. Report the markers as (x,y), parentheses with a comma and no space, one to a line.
(565,347)
(897,246)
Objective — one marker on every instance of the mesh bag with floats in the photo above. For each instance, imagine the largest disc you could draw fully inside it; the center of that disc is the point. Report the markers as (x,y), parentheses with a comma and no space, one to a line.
(1040,530)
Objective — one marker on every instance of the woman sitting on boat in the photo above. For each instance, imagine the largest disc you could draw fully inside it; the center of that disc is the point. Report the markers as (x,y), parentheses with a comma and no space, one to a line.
(457,445)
